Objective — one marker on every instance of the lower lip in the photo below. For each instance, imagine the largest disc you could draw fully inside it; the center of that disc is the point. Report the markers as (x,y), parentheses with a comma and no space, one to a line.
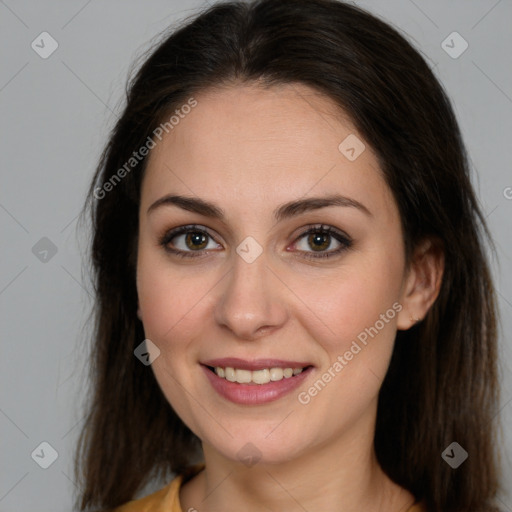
(255,394)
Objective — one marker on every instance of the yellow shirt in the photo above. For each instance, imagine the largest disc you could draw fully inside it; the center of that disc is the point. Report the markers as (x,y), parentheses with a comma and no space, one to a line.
(167,499)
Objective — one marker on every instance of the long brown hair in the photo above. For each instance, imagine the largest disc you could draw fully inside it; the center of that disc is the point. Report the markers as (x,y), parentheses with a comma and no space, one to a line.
(442,381)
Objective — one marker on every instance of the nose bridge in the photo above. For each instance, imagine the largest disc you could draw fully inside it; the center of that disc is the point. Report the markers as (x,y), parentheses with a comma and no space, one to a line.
(250,298)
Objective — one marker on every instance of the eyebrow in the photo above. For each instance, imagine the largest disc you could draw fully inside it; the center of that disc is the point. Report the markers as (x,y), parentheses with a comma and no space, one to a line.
(284,211)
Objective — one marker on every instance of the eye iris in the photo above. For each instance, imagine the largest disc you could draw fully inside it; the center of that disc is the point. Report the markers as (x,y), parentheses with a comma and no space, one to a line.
(196,240)
(319,238)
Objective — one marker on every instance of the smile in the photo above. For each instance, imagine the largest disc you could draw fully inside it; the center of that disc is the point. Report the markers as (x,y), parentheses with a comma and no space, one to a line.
(263,376)
(255,382)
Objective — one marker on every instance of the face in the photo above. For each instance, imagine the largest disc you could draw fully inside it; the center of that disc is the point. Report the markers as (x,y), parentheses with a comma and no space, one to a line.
(297,262)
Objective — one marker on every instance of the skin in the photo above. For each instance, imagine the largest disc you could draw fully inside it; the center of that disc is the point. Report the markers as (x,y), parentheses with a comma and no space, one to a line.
(249,150)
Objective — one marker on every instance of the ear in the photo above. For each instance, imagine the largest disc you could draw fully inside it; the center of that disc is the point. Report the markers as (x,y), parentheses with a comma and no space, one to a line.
(422,283)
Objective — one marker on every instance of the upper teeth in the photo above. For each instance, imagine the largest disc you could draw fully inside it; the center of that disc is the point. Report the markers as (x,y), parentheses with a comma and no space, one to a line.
(258,376)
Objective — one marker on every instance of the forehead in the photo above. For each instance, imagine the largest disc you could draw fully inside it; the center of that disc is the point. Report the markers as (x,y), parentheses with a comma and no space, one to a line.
(248,145)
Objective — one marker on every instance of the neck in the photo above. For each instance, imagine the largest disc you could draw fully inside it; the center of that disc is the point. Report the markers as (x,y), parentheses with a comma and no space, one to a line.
(340,475)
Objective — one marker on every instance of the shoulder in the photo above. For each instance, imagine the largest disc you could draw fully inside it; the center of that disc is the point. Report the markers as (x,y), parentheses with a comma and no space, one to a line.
(156,501)
(417,507)
(166,499)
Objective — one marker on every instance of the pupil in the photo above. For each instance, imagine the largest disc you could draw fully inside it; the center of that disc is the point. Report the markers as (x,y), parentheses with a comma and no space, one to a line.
(197,240)
(319,240)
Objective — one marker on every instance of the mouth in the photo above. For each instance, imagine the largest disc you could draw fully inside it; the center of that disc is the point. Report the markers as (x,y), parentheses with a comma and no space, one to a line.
(255,382)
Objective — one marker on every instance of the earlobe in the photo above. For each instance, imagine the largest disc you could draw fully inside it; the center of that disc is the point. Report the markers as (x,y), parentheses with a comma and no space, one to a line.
(423,283)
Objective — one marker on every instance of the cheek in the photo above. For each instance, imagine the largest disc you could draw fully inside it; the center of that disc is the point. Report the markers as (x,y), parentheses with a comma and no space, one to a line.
(355,306)
(357,330)
(168,300)
(349,302)
(354,317)
(168,297)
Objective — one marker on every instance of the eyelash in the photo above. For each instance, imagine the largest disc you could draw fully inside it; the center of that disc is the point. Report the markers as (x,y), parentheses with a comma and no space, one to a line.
(343,239)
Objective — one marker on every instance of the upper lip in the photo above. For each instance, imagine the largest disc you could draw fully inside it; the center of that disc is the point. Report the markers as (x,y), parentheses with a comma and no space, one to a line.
(254,364)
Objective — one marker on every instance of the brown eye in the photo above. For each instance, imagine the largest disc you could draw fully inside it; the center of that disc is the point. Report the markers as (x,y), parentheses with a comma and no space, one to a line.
(196,240)
(319,241)
(188,241)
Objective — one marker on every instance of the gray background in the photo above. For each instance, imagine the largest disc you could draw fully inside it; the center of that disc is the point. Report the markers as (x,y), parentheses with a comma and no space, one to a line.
(55,116)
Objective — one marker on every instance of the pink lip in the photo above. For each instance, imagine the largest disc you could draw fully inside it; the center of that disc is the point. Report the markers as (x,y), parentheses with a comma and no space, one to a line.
(256,364)
(255,394)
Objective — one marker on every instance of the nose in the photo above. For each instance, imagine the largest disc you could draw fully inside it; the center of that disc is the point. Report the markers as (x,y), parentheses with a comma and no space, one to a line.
(251,302)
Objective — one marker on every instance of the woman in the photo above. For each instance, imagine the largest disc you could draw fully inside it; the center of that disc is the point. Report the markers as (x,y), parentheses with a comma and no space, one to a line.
(295,311)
